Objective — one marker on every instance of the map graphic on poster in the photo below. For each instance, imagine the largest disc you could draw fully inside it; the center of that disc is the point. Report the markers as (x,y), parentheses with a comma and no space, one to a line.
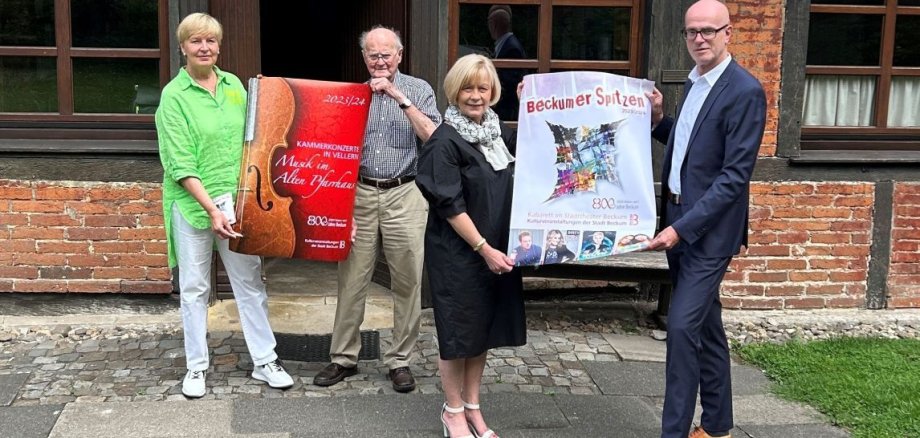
(300,168)
(583,185)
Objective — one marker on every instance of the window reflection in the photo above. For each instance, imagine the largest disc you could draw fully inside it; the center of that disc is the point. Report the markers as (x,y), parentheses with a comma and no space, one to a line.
(115,23)
(27,23)
(907,41)
(29,84)
(500,31)
(591,33)
(109,85)
(475,35)
(844,39)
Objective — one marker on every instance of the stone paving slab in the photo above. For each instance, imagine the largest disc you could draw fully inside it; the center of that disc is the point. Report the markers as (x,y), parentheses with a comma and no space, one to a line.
(763,410)
(28,422)
(182,419)
(619,414)
(377,415)
(628,378)
(515,411)
(767,409)
(10,385)
(637,348)
(647,378)
(591,431)
(796,431)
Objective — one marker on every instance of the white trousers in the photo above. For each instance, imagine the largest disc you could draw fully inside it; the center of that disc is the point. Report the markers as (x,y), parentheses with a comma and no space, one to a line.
(194,248)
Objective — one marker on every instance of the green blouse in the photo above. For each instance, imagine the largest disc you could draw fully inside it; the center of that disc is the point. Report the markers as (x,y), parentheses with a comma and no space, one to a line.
(200,136)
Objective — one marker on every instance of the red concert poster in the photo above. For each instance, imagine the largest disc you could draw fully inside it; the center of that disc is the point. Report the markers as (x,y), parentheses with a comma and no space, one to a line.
(300,168)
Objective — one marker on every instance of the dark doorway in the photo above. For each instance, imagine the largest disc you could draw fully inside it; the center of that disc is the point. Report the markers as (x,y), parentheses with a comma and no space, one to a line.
(303,44)
(319,39)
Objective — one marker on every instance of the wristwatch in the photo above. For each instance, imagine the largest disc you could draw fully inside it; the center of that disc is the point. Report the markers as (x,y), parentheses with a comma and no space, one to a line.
(405,103)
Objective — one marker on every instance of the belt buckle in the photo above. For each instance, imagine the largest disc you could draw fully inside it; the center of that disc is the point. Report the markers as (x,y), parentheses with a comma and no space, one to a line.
(675,198)
(388,184)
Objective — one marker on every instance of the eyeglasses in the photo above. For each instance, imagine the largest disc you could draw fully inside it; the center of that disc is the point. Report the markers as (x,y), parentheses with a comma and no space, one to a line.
(707,33)
(374,57)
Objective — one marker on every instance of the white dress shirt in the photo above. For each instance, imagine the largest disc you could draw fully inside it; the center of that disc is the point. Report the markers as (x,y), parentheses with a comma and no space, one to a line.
(687,118)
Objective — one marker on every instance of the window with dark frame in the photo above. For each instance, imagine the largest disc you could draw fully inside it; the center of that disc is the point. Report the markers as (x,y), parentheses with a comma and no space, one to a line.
(552,35)
(862,76)
(83,69)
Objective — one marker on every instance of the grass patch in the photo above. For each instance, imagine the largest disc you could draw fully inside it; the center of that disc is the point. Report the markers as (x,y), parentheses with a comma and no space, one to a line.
(870,386)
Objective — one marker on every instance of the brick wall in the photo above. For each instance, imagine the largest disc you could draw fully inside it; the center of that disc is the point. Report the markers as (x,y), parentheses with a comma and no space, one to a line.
(82,237)
(904,271)
(809,247)
(756,44)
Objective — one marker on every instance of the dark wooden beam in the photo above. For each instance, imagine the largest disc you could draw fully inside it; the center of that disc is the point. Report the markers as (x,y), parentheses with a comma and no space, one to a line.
(880,251)
(792,90)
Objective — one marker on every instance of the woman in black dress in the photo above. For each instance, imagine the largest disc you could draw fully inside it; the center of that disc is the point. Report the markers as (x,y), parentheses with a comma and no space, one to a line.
(466,173)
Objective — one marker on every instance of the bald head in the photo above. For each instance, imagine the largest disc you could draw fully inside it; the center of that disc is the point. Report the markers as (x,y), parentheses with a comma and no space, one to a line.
(713,9)
(712,17)
(499,20)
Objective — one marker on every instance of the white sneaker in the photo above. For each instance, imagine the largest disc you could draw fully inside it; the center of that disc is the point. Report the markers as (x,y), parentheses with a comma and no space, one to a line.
(274,374)
(193,384)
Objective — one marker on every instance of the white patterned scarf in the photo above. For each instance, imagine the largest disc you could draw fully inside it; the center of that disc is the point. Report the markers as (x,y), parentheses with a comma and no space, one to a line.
(488,135)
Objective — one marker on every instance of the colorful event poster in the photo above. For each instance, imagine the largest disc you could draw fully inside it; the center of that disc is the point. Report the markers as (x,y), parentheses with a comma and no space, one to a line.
(583,185)
(300,168)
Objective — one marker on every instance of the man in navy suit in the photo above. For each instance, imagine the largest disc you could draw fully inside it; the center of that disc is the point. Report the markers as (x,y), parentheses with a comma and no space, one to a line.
(507,46)
(711,150)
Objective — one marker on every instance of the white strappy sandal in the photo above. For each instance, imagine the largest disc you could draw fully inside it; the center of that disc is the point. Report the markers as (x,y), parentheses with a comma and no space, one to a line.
(487,434)
(450,410)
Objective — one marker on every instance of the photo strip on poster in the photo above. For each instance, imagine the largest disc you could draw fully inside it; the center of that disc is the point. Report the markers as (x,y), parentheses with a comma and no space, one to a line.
(583,185)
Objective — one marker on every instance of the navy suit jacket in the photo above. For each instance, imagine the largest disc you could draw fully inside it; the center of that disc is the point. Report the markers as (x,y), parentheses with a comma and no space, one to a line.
(716,172)
(507,106)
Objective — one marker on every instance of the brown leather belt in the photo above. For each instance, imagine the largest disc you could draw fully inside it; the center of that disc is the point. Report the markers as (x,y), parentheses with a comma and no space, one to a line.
(674,198)
(384,184)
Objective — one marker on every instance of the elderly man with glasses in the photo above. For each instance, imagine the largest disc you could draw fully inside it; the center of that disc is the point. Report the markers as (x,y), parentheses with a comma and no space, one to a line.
(390,212)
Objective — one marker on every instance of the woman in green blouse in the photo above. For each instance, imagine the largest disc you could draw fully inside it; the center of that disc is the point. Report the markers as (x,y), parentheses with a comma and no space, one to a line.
(200,129)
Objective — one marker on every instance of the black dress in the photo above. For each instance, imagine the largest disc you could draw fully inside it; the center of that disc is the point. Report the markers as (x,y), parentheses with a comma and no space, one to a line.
(474,309)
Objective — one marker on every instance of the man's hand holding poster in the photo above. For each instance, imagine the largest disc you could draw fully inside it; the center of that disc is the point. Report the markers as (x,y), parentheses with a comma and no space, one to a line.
(583,184)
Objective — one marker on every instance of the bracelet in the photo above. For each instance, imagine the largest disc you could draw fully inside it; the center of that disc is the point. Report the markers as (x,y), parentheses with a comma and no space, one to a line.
(479,245)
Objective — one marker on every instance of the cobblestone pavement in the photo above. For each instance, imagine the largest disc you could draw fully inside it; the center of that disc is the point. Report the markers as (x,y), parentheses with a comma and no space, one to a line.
(147,363)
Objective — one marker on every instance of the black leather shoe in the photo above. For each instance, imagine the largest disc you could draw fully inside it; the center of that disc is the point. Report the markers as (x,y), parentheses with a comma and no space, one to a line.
(402,379)
(332,374)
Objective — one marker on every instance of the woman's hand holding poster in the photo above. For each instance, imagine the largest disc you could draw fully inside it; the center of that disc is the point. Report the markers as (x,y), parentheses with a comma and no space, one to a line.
(583,184)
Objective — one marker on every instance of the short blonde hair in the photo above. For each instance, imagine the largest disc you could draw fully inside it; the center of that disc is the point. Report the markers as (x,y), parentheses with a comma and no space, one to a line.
(199,24)
(466,70)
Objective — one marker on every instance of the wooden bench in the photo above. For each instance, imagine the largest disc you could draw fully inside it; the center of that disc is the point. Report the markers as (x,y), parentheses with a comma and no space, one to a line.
(649,269)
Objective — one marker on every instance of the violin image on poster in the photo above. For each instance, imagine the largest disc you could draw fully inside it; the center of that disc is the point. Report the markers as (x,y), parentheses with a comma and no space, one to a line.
(301,152)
